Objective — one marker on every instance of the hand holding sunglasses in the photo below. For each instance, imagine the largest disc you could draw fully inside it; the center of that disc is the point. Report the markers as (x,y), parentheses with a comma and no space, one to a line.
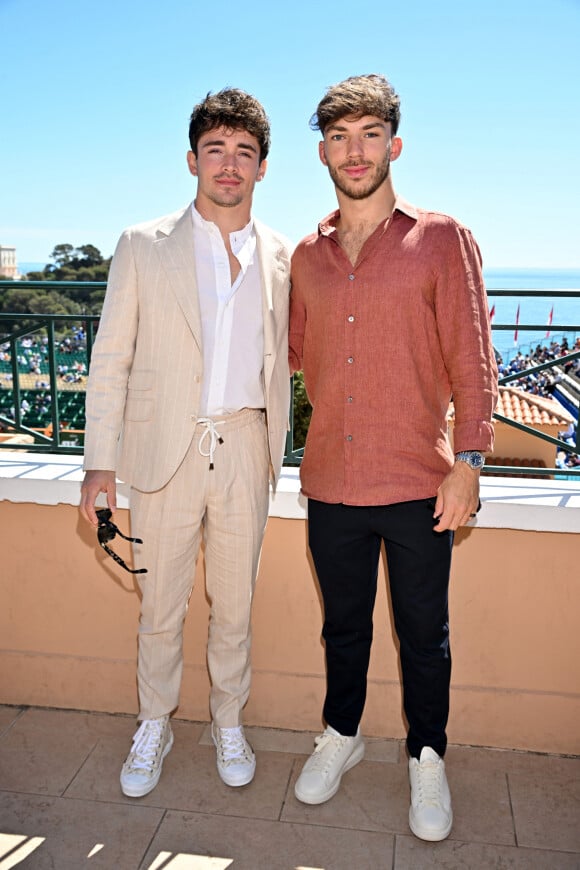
(106,531)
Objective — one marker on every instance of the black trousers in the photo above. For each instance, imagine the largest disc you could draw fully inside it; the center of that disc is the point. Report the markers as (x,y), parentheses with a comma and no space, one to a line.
(345,543)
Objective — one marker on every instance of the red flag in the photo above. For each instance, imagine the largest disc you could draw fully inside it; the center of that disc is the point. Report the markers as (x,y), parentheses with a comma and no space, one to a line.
(550,316)
(517,322)
(492,313)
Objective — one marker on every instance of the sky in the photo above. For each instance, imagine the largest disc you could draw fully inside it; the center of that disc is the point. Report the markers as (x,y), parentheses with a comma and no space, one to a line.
(96,98)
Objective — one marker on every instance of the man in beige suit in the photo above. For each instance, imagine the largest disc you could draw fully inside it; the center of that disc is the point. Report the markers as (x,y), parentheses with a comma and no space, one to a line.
(187,401)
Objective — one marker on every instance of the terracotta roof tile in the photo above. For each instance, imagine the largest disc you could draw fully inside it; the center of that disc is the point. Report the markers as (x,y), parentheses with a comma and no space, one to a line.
(527,408)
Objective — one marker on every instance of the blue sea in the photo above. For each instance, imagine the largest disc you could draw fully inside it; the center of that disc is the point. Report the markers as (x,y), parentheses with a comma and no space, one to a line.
(533,311)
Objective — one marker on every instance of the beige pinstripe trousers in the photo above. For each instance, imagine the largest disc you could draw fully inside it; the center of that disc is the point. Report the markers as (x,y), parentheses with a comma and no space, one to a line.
(228,506)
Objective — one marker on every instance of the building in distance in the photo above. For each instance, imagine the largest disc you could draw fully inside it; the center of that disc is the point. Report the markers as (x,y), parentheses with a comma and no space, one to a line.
(8,264)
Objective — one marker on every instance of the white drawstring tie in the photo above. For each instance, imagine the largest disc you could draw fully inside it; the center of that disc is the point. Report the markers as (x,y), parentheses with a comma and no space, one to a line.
(214,437)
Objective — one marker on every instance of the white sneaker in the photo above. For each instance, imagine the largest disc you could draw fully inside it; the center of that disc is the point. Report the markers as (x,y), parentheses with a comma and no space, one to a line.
(236,762)
(430,815)
(333,756)
(142,768)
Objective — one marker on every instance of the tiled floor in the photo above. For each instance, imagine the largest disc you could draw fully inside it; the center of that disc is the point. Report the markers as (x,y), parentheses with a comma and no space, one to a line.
(61,806)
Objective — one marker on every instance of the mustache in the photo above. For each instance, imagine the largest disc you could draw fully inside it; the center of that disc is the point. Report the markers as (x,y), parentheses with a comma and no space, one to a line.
(230,176)
(351,165)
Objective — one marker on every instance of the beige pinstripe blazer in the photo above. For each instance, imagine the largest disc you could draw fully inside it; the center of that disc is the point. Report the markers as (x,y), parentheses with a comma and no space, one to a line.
(145,375)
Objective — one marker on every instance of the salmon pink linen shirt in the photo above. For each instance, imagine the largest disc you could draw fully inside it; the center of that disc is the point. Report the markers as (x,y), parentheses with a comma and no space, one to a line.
(384,345)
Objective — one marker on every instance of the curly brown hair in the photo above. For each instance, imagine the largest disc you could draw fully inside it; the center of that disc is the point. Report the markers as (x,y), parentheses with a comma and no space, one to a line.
(234,110)
(358,96)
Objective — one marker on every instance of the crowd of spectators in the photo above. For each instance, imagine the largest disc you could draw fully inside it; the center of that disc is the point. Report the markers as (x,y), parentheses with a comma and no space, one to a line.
(541,383)
(565,460)
(32,357)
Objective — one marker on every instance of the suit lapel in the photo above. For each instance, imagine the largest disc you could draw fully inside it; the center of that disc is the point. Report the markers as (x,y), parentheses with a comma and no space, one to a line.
(175,248)
(273,285)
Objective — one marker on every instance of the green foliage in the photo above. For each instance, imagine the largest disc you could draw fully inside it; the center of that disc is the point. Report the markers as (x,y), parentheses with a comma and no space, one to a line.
(302,411)
(85,263)
(62,254)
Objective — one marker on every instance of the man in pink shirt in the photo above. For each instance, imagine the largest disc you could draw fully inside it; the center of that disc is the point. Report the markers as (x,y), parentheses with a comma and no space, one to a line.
(389,321)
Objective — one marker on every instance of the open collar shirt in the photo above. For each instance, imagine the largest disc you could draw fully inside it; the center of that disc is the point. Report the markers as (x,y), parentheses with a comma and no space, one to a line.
(232,319)
(384,345)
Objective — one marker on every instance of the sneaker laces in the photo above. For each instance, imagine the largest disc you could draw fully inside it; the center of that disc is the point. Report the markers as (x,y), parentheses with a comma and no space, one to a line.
(147,744)
(233,746)
(428,783)
(321,759)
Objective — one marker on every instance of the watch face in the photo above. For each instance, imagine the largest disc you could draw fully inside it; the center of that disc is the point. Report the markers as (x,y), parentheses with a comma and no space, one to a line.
(473,458)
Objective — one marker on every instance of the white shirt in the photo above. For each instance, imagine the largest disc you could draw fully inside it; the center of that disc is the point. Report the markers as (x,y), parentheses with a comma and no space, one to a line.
(231,318)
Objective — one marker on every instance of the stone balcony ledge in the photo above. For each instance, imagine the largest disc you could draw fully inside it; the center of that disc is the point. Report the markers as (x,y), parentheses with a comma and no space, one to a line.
(507,503)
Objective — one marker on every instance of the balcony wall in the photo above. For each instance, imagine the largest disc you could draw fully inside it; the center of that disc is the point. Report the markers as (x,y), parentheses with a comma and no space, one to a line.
(68,616)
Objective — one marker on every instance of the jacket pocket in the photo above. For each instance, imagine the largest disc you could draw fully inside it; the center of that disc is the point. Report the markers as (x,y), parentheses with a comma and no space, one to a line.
(139,405)
(141,379)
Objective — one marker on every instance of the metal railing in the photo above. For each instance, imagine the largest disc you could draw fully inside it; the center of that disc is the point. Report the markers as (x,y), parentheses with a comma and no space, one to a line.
(46,335)
(572,330)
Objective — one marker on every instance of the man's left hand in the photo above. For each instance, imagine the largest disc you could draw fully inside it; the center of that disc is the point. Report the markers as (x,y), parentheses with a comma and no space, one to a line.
(457,498)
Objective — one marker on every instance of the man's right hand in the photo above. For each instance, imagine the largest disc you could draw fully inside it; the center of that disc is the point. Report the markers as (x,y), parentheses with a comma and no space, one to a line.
(95,482)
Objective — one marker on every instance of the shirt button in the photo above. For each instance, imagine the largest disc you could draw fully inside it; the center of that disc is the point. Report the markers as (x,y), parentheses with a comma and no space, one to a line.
(351,277)
(349,437)
(349,398)
(351,319)
(350,360)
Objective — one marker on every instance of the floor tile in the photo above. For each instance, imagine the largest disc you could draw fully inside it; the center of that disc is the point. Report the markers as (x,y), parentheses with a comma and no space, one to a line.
(413,854)
(372,797)
(8,716)
(481,807)
(381,749)
(63,833)
(189,780)
(474,758)
(375,796)
(60,798)
(98,777)
(264,845)
(546,810)
(43,749)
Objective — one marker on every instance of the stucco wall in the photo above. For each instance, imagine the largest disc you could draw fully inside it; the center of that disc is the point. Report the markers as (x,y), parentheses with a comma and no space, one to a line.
(512,442)
(68,623)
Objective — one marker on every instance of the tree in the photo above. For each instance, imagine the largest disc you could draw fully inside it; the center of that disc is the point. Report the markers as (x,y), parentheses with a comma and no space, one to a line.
(62,255)
(302,412)
(91,257)
(85,263)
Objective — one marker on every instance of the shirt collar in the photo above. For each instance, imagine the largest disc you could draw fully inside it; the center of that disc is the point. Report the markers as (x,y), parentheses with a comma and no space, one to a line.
(327,226)
(238,238)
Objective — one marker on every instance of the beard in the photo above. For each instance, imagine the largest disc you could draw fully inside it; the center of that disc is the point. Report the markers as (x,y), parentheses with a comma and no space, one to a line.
(362,188)
(226,201)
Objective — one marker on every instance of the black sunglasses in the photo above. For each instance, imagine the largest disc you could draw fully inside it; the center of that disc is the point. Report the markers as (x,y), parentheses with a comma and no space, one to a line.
(106,531)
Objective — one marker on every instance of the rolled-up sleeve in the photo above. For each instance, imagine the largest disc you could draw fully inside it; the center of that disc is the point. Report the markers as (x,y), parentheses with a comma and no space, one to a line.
(466,343)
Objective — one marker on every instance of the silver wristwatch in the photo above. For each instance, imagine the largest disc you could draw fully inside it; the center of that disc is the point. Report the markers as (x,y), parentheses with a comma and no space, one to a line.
(474,458)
